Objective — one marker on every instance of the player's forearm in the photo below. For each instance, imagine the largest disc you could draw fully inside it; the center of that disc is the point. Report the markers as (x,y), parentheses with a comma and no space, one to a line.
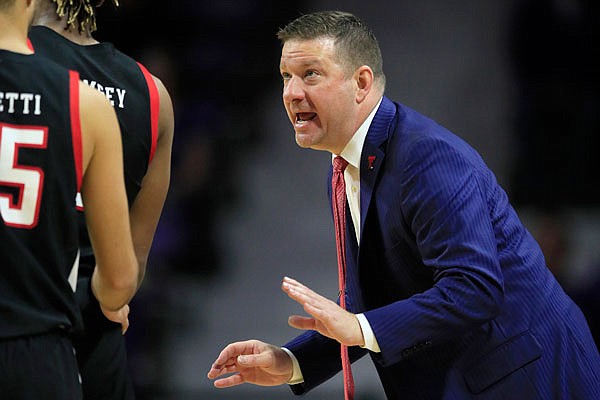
(113,292)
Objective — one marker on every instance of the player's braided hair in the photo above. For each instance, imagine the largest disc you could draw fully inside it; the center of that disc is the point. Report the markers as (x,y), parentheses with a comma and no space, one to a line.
(80,14)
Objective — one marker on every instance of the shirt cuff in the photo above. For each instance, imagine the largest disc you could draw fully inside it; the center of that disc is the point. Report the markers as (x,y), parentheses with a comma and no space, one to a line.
(368,335)
(297,376)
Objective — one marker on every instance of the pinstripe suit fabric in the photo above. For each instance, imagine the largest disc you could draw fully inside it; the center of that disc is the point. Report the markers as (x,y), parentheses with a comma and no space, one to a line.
(454,286)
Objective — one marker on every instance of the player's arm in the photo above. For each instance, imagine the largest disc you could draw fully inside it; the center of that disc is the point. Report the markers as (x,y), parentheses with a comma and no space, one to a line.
(147,207)
(103,191)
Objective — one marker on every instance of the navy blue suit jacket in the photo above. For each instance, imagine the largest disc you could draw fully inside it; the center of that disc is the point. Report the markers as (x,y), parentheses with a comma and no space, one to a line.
(454,286)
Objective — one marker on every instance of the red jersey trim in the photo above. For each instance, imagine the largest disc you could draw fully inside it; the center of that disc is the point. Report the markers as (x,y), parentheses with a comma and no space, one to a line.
(76,126)
(154,109)
(30,45)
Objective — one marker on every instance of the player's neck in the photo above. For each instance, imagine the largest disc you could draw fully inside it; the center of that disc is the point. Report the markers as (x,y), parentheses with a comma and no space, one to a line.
(83,38)
(46,15)
(13,36)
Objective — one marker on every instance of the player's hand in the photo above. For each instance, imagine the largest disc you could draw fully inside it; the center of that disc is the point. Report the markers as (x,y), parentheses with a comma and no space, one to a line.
(253,362)
(328,318)
(120,316)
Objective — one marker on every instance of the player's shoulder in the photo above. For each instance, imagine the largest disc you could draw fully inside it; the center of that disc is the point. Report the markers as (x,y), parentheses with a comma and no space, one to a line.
(43,37)
(92,101)
(48,67)
(124,58)
(39,31)
(153,80)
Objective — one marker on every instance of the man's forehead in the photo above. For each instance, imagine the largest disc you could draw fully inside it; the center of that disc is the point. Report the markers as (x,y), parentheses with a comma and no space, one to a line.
(307,52)
(301,59)
(322,42)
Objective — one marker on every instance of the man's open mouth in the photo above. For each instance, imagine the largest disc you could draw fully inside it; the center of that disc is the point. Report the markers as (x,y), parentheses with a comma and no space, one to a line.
(305,117)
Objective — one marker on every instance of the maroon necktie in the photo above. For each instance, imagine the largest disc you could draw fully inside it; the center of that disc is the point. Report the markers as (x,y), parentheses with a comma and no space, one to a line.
(338,187)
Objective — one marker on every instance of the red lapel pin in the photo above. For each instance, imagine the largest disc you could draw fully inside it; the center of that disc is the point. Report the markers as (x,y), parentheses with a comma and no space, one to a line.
(371,159)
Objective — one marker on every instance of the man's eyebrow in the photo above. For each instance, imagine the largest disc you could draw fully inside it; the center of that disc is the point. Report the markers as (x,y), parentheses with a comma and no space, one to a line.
(303,65)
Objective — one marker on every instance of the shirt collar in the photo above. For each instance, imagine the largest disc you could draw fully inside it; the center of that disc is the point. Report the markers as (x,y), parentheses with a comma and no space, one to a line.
(353,149)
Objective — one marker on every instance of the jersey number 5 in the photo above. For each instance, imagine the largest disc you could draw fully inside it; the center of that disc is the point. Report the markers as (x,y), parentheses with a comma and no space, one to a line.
(26,181)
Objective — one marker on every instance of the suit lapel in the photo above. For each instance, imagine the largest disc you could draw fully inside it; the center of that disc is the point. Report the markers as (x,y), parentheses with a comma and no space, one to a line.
(372,156)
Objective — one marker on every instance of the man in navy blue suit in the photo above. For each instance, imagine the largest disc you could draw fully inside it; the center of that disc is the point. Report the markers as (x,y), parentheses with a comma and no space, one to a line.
(446,290)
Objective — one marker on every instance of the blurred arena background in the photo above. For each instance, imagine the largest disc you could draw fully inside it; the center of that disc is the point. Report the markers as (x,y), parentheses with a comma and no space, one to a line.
(247,206)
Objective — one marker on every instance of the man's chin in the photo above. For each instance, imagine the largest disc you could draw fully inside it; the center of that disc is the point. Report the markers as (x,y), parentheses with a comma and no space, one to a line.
(309,144)
(303,140)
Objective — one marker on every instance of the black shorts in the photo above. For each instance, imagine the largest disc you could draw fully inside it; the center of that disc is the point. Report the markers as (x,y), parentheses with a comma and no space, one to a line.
(39,367)
(101,352)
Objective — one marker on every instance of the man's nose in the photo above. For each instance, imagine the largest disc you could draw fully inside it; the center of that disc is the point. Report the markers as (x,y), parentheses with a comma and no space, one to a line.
(293,90)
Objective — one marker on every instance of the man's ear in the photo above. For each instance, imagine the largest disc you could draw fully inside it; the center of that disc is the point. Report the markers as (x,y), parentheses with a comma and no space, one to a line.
(364,82)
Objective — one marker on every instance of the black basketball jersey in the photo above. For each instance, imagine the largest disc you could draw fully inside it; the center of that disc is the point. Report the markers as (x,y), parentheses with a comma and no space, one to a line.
(130,89)
(40,174)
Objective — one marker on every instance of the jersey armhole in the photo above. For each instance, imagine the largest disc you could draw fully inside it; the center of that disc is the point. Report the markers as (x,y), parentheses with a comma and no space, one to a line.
(76,126)
(154,109)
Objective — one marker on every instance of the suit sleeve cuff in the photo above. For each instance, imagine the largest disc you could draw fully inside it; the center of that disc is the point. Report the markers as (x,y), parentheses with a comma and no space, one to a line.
(369,336)
(297,376)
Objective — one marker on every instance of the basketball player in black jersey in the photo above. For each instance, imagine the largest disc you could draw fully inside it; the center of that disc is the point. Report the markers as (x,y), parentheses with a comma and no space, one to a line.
(57,137)
(145,115)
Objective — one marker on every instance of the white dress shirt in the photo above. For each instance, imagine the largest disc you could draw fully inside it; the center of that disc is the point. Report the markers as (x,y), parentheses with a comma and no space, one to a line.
(351,153)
